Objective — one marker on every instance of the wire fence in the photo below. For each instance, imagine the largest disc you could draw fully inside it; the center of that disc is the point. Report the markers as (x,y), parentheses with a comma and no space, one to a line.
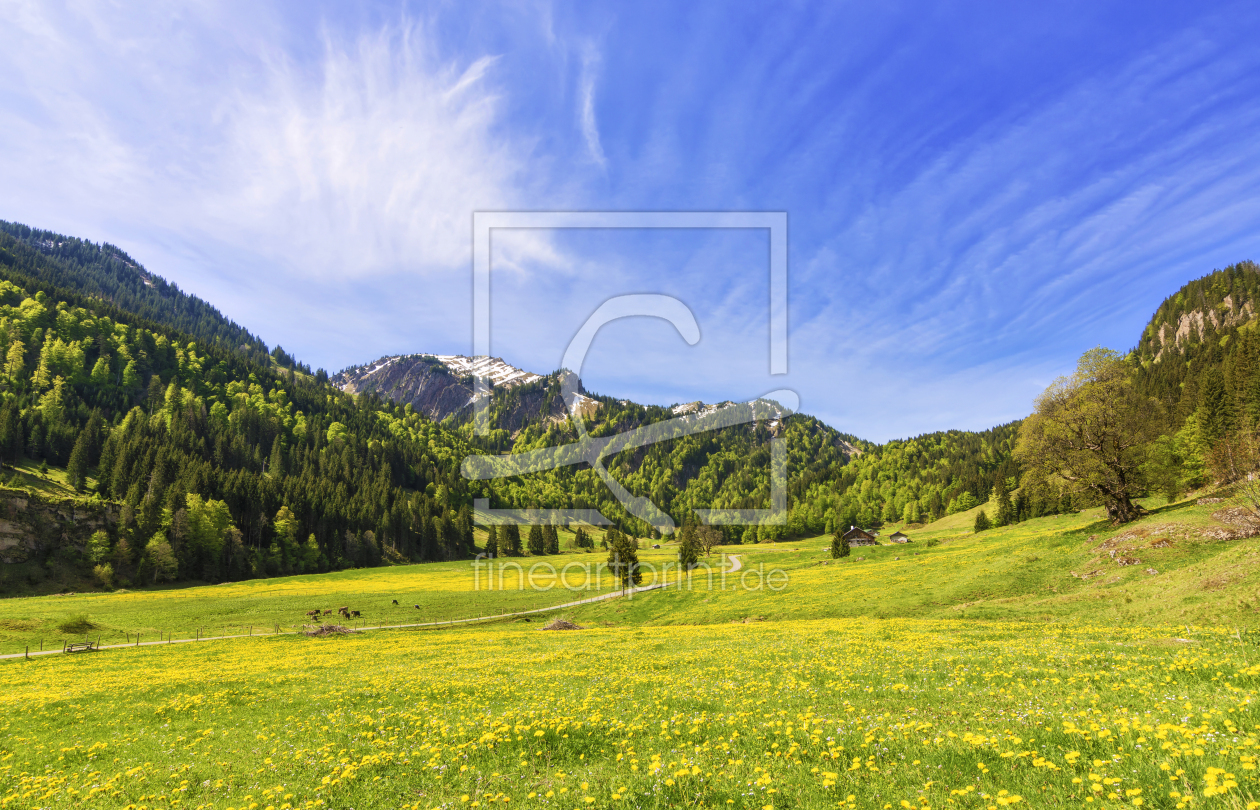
(100,640)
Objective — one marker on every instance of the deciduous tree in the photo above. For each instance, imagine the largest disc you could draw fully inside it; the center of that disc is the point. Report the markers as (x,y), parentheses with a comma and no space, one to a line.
(1091,432)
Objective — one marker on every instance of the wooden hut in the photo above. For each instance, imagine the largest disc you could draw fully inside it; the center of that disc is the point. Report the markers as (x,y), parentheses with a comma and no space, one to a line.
(860,537)
(899,537)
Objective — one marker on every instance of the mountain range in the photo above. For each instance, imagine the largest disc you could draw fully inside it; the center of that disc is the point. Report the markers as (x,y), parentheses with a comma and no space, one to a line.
(241,461)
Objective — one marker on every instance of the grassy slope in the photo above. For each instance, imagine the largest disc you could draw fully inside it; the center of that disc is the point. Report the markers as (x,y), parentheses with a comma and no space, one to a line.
(1022,572)
(1016,572)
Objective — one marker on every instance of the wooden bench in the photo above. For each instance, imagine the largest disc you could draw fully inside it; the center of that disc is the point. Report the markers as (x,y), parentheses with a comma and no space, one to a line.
(81,646)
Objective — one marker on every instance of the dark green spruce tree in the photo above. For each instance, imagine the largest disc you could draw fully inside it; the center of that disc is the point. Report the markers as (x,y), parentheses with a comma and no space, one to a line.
(623,559)
(76,470)
(688,547)
(1005,512)
(839,544)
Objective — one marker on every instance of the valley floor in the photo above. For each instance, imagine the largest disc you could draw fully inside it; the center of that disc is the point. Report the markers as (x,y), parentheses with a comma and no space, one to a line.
(1025,665)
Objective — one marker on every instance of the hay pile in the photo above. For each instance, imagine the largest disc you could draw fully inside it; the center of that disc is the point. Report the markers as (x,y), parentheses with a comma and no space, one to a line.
(561,624)
(326,630)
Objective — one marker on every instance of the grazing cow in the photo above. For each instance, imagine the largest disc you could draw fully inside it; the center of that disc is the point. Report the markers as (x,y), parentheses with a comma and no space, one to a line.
(313,614)
(354,614)
(328,612)
(344,611)
(395,601)
(417,607)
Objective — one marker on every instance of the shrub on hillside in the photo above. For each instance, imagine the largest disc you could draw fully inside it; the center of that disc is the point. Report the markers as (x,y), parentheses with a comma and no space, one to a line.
(77,624)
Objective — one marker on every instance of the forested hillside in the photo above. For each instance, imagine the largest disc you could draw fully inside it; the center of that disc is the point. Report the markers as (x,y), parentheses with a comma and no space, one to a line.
(1199,357)
(106,272)
(231,462)
(1205,337)
(920,480)
(227,467)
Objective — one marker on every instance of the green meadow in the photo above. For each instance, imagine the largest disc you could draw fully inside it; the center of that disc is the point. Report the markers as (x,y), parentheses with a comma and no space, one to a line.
(1021,665)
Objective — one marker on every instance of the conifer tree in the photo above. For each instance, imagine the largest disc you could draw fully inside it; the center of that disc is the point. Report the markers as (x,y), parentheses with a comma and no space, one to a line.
(1005,514)
(982,522)
(76,470)
(1216,406)
(10,432)
(536,547)
(688,547)
(512,533)
(275,465)
(623,559)
(551,540)
(839,545)
(156,395)
(492,541)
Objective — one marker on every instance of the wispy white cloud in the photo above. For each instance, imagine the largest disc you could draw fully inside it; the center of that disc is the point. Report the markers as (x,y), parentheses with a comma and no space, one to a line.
(318,186)
(959,230)
(590,126)
(365,160)
(372,162)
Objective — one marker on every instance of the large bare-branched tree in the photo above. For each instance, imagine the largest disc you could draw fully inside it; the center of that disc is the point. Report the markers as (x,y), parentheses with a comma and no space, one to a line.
(1090,431)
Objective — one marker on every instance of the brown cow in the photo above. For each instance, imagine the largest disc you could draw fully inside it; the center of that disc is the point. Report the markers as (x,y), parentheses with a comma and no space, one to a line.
(312,614)
(354,614)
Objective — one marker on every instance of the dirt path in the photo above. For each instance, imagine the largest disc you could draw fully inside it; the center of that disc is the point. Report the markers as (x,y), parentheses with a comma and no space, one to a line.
(600,598)
(736,564)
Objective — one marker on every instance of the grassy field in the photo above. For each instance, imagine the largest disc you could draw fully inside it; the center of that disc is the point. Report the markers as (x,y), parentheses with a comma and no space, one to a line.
(1042,570)
(442,591)
(855,713)
(52,482)
(1024,665)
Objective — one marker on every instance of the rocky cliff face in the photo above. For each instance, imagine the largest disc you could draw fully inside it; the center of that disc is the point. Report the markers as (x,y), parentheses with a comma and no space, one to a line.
(1203,312)
(44,542)
(435,385)
(1196,324)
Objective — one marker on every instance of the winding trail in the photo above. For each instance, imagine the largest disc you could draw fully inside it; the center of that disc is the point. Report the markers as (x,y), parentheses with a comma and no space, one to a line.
(736,564)
(611,595)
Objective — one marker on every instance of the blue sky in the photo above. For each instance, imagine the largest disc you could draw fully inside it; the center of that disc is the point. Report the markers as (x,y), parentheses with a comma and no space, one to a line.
(976,193)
